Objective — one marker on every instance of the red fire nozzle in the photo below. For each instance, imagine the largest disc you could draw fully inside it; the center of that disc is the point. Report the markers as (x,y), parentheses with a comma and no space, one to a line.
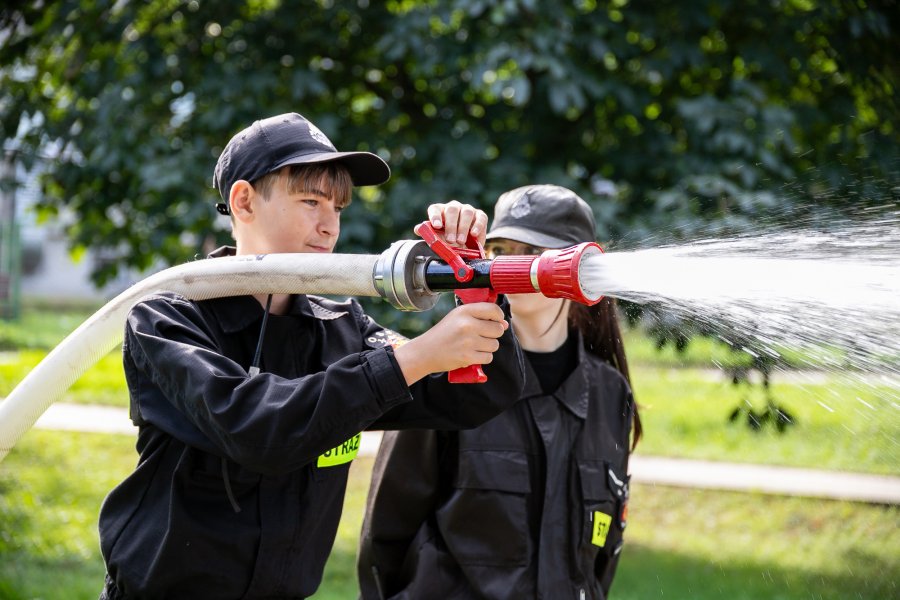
(555,274)
(474,278)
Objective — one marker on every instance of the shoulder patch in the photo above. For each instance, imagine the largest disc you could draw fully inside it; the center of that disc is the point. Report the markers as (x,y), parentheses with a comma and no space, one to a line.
(323,313)
(386,337)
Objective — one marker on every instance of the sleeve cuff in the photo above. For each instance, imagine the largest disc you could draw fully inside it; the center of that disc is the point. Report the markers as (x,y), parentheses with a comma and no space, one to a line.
(388,377)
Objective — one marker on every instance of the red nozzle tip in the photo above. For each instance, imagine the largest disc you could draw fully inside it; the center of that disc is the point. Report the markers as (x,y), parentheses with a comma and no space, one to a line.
(559,273)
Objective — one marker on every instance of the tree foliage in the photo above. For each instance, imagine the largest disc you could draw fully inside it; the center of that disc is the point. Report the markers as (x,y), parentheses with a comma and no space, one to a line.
(668,117)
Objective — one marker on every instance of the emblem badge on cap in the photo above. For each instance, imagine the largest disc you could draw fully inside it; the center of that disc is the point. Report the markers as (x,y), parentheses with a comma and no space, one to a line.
(521,208)
(317,135)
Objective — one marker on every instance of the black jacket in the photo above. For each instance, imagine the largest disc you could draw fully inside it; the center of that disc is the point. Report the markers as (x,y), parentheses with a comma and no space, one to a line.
(529,505)
(239,486)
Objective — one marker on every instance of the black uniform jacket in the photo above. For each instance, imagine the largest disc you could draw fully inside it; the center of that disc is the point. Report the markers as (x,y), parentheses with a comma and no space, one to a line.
(239,486)
(529,505)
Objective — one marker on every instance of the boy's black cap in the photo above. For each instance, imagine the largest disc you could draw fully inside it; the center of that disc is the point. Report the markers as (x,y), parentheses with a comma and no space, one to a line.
(288,139)
(546,216)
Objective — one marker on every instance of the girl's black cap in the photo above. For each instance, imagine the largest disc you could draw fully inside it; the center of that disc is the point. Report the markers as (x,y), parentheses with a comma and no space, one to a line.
(288,139)
(545,216)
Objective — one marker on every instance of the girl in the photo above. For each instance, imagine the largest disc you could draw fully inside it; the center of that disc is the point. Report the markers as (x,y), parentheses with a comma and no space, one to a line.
(533,503)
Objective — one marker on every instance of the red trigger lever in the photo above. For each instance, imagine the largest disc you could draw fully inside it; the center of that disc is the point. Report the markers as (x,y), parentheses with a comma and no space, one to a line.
(454,256)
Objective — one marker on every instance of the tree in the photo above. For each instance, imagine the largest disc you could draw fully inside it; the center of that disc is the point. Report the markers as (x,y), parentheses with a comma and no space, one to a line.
(670,118)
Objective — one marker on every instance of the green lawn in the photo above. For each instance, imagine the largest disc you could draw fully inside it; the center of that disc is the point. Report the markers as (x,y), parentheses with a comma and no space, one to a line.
(42,326)
(51,486)
(693,544)
(24,343)
(841,423)
(681,543)
(104,383)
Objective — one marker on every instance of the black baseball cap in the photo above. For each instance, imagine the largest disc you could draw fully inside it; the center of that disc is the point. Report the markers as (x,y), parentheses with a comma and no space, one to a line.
(546,216)
(288,139)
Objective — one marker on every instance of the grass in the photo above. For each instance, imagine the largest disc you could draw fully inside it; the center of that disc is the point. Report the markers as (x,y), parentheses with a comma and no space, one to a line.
(42,326)
(680,543)
(701,352)
(51,487)
(840,423)
(25,342)
(104,383)
(697,544)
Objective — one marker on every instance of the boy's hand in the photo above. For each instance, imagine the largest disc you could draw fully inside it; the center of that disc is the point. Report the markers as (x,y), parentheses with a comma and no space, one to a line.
(456,221)
(467,335)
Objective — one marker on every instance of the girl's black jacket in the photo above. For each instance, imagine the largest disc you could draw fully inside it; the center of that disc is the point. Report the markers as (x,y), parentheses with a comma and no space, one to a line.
(531,504)
(240,482)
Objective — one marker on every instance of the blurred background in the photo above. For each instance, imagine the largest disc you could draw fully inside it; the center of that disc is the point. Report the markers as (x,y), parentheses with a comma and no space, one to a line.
(676,121)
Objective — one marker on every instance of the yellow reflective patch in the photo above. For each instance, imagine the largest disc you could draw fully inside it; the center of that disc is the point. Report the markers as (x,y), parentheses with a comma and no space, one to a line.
(600,528)
(340,454)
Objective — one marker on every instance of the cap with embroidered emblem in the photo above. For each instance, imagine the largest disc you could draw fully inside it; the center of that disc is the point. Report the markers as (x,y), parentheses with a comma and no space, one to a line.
(546,216)
(288,139)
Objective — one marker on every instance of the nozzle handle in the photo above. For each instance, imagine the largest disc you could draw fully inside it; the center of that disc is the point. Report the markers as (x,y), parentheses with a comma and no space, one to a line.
(463,272)
(472,373)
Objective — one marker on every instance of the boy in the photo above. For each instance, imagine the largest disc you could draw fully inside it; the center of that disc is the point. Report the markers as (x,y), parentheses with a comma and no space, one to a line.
(241,475)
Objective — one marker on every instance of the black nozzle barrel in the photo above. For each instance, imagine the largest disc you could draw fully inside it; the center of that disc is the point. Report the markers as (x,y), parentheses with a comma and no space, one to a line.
(440,277)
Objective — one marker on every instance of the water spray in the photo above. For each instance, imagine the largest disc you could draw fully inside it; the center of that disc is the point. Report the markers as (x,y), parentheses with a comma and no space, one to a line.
(410,275)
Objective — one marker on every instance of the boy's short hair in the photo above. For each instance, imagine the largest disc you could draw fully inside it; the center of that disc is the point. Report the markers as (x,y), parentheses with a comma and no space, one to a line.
(270,144)
(311,178)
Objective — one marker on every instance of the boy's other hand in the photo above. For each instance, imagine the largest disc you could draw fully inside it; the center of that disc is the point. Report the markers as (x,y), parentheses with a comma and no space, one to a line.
(454,221)
(467,335)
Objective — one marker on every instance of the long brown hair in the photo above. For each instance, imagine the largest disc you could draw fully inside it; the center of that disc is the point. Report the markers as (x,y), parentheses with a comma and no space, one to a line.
(599,327)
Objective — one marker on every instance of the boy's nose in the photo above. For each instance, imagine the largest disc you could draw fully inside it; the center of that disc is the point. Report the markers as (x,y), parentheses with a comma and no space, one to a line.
(329,221)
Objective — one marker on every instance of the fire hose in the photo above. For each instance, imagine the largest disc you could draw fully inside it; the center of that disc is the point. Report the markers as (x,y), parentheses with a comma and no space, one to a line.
(409,275)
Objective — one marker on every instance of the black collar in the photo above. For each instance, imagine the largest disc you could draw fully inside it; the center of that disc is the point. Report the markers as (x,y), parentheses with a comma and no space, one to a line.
(573,392)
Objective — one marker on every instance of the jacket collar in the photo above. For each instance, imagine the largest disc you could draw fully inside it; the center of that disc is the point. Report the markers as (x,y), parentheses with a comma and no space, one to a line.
(573,392)
(239,312)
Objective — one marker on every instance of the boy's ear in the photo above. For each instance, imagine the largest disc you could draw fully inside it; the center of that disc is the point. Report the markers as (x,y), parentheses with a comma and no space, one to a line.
(241,200)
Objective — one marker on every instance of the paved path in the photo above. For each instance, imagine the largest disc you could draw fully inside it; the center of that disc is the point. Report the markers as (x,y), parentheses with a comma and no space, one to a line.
(880,489)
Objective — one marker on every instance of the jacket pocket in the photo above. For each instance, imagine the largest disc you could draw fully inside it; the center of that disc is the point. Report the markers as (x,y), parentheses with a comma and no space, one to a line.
(604,498)
(485,520)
